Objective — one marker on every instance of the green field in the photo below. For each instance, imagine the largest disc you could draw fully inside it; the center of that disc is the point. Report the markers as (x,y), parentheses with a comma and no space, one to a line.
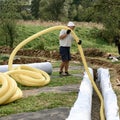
(50,41)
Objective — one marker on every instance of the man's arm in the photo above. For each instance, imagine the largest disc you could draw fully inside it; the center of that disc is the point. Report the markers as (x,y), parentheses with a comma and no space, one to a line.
(65,34)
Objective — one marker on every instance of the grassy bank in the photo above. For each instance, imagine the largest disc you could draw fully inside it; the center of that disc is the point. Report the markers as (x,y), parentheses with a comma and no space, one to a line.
(50,41)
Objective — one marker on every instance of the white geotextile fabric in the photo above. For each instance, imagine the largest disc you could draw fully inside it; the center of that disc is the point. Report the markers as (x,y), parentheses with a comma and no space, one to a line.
(45,66)
(110,99)
(81,109)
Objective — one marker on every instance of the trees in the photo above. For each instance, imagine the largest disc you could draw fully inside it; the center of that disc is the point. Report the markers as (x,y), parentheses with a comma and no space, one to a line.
(35,8)
(62,10)
(108,12)
(65,10)
(85,10)
(8,13)
(50,9)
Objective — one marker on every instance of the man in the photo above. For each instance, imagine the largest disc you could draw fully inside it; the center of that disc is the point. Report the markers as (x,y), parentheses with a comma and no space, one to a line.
(65,44)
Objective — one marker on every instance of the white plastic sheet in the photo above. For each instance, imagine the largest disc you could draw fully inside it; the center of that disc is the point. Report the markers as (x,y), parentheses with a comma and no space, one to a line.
(81,109)
(110,99)
(45,66)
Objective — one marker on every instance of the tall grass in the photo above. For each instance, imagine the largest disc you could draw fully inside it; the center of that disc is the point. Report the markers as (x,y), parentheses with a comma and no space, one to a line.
(50,41)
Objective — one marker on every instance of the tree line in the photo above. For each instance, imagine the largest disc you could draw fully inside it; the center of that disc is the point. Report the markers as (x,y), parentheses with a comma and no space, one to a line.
(101,11)
(62,10)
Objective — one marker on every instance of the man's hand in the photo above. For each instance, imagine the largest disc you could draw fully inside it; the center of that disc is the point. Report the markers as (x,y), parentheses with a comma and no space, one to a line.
(68,31)
(80,42)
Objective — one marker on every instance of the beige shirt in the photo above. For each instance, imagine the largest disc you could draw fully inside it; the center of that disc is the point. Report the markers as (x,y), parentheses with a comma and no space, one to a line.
(67,41)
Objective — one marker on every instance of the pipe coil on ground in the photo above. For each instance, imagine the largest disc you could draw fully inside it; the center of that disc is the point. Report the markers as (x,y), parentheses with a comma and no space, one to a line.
(9,91)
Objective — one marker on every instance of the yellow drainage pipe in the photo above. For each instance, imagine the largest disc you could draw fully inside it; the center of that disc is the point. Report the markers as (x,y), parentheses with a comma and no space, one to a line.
(80,50)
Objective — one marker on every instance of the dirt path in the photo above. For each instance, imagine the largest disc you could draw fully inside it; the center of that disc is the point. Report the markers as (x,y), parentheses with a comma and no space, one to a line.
(58,89)
(48,114)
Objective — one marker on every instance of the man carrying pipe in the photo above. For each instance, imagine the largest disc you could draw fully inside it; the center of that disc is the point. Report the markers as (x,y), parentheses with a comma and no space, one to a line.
(65,44)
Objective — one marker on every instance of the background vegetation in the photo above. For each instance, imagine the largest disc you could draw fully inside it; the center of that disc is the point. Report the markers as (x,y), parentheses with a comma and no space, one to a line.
(50,41)
(100,11)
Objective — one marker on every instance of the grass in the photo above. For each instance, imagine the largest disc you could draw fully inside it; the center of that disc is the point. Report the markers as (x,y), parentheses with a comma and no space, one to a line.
(39,102)
(61,81)
(91,40)
(50,41)
(46,100)
(57,81)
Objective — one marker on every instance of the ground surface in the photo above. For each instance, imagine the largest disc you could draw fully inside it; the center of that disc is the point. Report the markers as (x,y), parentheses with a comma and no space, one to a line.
(59,113)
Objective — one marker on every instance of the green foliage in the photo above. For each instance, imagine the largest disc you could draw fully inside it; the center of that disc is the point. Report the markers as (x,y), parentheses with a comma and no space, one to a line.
(40,45)
(35,8)
(62,10)
(108,12)
(26,15)
(8,13)
(91,38)
(85,14)
(50,9)
(72,12)
(4,58)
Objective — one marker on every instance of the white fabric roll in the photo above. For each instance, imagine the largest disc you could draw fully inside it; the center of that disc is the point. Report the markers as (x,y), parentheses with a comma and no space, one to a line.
(81,109)
(45,66)
(110,99)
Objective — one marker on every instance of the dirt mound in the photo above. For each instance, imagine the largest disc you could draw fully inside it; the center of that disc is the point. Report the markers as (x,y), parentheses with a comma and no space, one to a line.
(54,54)
(93,52)
(105,64)
(5,49)
(31,56)
(28,60)
(32,53)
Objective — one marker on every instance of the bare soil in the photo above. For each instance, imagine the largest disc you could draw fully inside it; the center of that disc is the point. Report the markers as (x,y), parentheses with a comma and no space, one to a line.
(30,56)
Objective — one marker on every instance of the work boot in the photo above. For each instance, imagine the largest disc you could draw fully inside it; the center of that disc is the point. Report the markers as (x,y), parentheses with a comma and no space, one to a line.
(67,74)
(60,74)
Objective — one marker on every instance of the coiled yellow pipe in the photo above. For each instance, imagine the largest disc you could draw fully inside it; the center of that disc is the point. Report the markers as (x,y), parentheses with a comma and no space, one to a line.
(9,91)
(25,75)
(20,78)
(29,76)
